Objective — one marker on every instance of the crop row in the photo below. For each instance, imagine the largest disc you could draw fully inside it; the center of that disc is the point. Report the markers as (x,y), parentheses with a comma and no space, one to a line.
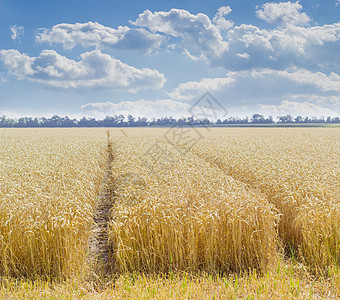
(299,174)
(175,212)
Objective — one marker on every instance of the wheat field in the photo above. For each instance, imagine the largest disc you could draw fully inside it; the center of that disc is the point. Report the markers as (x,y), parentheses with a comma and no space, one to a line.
(48,187)
(197,213)
(188,216)
(299,174)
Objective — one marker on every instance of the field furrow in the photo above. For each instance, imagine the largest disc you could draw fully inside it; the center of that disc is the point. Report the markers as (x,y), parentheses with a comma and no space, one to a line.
(180,213)
(299,174)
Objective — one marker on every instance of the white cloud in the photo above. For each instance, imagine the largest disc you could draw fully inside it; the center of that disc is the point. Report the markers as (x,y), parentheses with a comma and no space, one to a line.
(222,44)
(298,108)
(218,41)
(295,77)
(284,13)
(177,109)
(93,34)
(17,64)
(281,48)
(324,82)
(220,20)
(243,55)
(332,101)
(196,33)
(265,87)
(94,69)
(337,2)
(194,89)
(17,32)
(139,108)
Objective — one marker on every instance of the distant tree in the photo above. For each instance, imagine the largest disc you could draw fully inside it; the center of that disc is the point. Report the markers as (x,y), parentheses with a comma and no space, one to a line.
(131,120)
(109,121)
(269,120)
(92,122)
(205,122)
(257,119)
(6,122)
(88,122)
(286,119)
(336,120)
(298,119)
(21,122)
(36,122)
(3,121)
(67,122)
(141,122)
(119,121)
(307,120)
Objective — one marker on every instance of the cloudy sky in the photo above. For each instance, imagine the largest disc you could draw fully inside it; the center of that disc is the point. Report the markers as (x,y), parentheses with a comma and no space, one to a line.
(157,58)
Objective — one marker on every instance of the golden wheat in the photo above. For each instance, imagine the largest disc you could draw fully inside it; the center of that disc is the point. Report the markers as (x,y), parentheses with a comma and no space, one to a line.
(300,175)
(48,187)
(189,215)
(179,213)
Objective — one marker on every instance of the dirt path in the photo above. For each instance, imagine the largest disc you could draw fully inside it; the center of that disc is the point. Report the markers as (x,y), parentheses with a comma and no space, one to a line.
(99,256)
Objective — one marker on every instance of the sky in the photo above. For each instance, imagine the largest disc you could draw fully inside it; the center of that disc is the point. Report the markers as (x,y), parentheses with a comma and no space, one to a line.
(98,58)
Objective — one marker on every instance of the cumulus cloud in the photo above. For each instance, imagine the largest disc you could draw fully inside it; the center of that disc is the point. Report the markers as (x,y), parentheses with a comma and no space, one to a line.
(281,48)
(284,13)
(16,63)
(331,101)
(291,79)
(194,89)
(94,69)
(298,108)
(320,80)
(195,33)
(139,108)
(220,19)
(264,87)
(248,46)
(293,42)
(93,34)
(17,32)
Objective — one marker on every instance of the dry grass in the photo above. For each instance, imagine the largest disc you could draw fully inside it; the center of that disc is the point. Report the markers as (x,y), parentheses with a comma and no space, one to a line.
(48,186)
(280,282)
(186,216)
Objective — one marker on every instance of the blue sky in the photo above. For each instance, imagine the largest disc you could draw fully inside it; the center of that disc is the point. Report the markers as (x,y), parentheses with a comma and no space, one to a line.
(157,58)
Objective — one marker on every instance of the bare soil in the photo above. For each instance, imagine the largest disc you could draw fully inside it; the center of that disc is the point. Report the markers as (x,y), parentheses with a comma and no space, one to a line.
(100,253)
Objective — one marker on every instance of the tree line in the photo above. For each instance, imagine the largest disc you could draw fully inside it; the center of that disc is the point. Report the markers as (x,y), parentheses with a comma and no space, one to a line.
(130,121)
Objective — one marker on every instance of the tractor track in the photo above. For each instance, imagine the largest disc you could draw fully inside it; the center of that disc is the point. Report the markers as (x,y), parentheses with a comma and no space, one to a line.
(100,256)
